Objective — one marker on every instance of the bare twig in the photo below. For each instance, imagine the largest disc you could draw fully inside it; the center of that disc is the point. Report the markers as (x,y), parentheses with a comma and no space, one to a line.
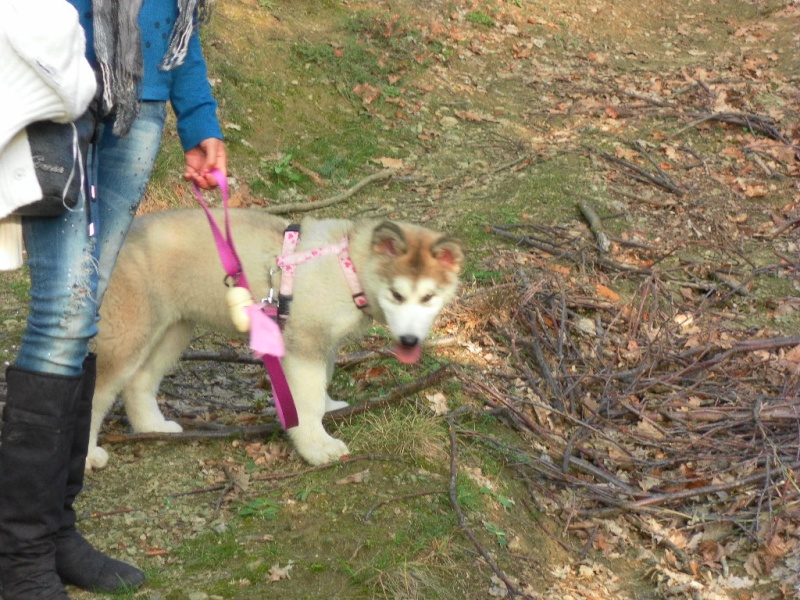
(641,174)
(513,591)
(760,123)
(228,356)
(396,395)
(260,431)
(296,207)
(595,225)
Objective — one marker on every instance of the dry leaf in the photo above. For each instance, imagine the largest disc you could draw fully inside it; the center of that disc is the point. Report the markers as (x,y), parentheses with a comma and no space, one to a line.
(779,547)
(607,292)
(438,403)
(791,360)
(753,566)
(586,325)
(389,163)
(276,572)
(469,115)
(755,191)
(241,481)
(559,269)
(480,479)
(367,92)
(265,454)
(354,478)
(647,429)
(738,218)
(647,482)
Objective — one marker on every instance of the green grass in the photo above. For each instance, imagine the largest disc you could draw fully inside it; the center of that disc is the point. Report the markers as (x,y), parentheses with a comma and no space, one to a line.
(14,286)
(480,18)
(259,508)
(349,65)
(345,136)
(208,550)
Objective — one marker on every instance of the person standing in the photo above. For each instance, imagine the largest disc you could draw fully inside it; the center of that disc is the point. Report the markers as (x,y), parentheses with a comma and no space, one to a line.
(146,53)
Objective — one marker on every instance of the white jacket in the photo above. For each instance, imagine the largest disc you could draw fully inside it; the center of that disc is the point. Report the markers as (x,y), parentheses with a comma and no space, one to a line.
(44,75)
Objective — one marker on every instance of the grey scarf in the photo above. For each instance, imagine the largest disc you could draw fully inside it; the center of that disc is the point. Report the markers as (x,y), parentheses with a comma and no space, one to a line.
(118,47)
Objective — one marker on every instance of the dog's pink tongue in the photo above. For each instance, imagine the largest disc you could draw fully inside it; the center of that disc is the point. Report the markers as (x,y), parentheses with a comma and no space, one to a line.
(408,354)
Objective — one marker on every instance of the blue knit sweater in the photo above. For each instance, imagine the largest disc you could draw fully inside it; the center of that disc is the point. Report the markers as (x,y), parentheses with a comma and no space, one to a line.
(186,87)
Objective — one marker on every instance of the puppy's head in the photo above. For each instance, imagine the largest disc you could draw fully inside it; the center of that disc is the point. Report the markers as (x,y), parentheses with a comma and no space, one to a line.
(418,272)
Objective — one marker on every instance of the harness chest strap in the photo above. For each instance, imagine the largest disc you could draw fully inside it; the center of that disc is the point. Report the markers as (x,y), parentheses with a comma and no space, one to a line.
(289,259)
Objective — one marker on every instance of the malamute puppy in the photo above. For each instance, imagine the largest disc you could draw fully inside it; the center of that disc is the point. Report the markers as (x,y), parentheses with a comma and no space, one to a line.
(169,278)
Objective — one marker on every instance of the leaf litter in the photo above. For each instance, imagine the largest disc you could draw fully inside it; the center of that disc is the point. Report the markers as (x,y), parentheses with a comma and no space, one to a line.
(653,384)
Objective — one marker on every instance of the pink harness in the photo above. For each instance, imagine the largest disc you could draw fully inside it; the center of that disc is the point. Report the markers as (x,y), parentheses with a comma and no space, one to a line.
(289,259)
(266,340)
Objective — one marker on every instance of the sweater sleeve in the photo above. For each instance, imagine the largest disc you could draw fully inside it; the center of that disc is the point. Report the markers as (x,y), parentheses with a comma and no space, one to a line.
(192,100)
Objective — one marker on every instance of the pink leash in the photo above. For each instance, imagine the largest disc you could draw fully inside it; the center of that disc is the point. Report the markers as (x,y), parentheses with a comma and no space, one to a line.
(266,341)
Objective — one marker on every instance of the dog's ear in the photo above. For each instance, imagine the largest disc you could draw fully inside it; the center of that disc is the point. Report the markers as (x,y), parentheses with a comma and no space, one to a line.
(388,238)
(449,253)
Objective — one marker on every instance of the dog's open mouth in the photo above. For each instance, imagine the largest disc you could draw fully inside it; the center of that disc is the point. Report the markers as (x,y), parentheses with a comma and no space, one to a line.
(408,354)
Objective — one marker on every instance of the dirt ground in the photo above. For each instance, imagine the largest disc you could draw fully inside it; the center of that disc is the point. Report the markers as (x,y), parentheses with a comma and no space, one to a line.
(615,421)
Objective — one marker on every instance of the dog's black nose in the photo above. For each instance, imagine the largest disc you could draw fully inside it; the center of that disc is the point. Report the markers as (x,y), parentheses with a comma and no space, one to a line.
(409,341)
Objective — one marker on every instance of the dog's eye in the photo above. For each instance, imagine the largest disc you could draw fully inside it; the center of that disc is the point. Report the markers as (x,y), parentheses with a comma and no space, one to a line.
(397,297)
(427,298)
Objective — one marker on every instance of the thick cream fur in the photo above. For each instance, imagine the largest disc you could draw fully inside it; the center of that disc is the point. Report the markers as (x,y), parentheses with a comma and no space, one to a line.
(169,278)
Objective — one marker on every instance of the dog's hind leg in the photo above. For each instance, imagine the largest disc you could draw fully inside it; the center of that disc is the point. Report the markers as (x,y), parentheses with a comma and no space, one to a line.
(307,380)
(140,393)
(109,384)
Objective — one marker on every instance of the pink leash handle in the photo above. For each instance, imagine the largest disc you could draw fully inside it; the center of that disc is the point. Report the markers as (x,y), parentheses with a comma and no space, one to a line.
(227,251)
(232,264)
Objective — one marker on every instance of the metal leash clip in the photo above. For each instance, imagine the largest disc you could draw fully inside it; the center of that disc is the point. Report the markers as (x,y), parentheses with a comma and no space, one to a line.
(271,298)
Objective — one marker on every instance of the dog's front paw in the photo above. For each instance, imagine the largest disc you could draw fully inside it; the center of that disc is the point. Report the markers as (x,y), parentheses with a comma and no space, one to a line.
(96,458)
(318,449)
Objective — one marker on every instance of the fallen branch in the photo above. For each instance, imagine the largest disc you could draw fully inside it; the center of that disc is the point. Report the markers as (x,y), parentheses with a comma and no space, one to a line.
(398,394)
(539,244)
(661,499)
(291,475)
(260,431)
(230,484)
(245,433)
(661,174)
(513,591)
(790,224)
(595,225)
(759,123)
(640,174)
(297,207)
(312,175)
(228,356)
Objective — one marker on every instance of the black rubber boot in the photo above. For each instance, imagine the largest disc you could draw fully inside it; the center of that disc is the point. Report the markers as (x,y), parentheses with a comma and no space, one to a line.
(38,422)
(77,561)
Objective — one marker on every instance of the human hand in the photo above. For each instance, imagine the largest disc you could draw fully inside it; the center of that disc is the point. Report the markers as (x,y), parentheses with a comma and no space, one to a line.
(204,158)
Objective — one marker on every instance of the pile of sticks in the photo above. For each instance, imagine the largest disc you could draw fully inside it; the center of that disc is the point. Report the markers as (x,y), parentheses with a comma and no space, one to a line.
(639,413)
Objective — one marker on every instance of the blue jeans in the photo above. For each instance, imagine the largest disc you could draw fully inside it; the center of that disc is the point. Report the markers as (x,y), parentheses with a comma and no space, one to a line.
(69,268)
